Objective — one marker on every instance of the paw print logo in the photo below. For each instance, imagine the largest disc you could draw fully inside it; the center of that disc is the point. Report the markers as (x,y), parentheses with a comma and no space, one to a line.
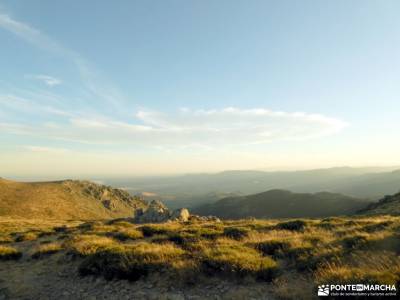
(323,290)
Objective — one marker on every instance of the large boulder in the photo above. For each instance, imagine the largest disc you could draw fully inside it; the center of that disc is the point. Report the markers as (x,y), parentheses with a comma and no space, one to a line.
(181,214)
(157,212)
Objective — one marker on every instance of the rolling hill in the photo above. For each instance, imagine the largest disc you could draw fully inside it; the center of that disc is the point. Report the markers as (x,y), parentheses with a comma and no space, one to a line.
(283,204)
(69,199)
(197,189)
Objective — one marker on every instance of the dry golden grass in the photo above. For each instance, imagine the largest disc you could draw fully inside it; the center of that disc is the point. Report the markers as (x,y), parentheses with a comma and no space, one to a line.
(295,255)
(46,249)
(87,244)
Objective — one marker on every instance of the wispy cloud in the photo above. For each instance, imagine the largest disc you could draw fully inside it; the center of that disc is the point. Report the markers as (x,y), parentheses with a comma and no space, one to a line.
(46,79)
(93,80)
(204,128)
(41,149)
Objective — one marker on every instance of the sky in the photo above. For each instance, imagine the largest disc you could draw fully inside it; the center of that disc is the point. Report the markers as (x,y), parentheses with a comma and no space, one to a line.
(110,88)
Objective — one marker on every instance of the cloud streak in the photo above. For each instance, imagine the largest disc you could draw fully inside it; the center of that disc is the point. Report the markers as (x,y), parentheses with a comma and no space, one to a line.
(46,79)
(205,128)
(94,82)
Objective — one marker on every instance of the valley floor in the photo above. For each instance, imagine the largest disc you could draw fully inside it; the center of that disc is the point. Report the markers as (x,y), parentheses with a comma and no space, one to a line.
(244,259)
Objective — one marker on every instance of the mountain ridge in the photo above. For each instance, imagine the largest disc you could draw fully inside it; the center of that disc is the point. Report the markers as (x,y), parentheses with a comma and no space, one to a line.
(65,199)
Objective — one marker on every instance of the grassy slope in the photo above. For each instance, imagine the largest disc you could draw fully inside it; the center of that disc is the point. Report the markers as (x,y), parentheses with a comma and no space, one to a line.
(387,205)
(295,256)
(63,200)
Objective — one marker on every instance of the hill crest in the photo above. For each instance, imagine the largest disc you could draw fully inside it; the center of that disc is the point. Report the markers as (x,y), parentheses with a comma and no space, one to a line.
(65,199)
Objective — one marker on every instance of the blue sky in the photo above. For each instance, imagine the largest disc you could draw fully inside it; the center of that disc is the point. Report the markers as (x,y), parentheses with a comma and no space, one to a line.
(160,87)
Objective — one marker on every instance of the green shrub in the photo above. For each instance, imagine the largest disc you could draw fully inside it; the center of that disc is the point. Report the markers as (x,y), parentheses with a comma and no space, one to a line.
(27,236)
(377,227)
(273,247)
(64,228)
(234,259)
(236,233)
(206,232)
(83,245)
(183,239)
(46,250)
(9,253)
(353,242)
(130,261)
(127,234)
(150,230)
(296,225)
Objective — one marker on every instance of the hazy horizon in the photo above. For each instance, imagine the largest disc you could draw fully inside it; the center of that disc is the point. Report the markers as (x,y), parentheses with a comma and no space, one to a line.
(99,177)
(173,87)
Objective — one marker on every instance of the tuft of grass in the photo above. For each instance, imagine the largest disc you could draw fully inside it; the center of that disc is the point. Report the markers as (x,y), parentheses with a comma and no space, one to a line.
(131,261)
(184,239)
(236,233)
(9,253)
(381,268)
(83,245)
(354,241)
(6,239)
(26,236)
(275,248)
(127,234)
(150,230)
(207,232)
(235,259)
(46,250)
(296,225)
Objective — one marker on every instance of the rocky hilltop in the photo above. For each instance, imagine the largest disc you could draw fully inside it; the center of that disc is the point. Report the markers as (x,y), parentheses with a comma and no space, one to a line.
(67,199)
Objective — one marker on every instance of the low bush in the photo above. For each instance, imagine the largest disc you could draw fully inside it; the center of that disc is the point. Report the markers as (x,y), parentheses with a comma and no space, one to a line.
(235,259)
(183,239)
(236,233)
(273,247)
(83,245)
(150,230)
(296,225)
(130,261)
(46,250)
(6,239)
(26,236)
(9,253)
(127,234)
(210,233)
(355,241)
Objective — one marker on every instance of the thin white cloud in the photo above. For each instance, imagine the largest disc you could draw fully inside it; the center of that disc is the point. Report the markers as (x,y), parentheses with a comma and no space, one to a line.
(22,104)
(46,79)
(191,128)
(95,82)
(41,149)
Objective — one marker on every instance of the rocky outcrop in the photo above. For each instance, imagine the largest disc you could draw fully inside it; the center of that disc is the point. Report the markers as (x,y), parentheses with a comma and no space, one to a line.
(157,212)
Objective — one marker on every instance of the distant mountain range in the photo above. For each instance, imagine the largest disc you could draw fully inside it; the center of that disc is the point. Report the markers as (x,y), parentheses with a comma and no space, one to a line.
(283,204)
(65,200)
(198,189)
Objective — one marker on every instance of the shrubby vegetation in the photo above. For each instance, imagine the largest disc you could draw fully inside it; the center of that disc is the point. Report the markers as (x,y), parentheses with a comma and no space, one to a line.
(294,255)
